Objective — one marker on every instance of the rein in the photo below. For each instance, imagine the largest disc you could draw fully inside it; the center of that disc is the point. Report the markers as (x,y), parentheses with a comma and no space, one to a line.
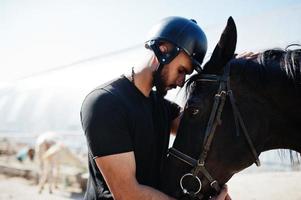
(214,120)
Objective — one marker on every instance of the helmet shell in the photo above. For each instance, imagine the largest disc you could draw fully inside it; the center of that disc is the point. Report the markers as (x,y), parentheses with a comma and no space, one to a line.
(183,33)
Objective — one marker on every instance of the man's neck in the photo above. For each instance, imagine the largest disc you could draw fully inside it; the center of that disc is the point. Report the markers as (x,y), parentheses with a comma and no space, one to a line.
(143,80)
(143,75)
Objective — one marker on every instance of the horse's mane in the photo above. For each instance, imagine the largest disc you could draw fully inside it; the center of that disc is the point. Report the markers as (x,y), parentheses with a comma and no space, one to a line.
(287,60)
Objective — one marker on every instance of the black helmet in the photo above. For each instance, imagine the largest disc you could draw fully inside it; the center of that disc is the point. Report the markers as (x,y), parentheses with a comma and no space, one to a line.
(185,34)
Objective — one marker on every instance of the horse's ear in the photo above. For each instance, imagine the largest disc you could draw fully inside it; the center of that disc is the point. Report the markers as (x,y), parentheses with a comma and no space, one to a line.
(224,50)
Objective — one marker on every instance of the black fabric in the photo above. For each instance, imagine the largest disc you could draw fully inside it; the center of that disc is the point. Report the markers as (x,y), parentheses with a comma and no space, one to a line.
(116,118)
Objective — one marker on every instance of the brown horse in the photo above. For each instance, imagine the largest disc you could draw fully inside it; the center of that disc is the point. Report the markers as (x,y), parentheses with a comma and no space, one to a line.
(236,109)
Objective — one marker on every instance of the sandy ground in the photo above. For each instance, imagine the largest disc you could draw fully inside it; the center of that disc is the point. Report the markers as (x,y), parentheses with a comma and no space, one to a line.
(250,186)
(266,186)
(17,188)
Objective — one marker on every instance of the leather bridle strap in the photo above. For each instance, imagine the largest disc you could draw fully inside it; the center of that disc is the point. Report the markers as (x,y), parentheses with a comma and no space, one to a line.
(238,118)
(215,119)
(183,157)
(192,162)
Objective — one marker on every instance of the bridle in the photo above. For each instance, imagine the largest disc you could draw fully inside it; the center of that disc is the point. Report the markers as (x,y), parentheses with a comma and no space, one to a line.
(198,165)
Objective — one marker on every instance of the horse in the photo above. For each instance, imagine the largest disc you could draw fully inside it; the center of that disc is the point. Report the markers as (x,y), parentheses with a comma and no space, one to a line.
(235,109)
(51,153)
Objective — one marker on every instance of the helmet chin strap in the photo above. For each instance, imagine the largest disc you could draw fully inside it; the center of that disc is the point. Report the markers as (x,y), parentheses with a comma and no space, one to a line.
(158,82)
(163,59)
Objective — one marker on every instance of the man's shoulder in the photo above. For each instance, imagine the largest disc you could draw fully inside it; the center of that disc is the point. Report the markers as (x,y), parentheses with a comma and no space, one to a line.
(104,94)
(109,85)
(108,89)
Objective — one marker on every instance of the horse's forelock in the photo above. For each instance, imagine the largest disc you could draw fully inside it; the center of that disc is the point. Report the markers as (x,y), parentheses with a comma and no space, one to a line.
(189,86)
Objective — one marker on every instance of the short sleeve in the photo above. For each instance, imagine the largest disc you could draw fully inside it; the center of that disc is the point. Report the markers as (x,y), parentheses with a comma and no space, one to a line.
(105,124)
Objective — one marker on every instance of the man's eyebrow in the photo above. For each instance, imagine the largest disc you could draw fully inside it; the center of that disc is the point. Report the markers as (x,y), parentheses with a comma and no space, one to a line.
(188,71)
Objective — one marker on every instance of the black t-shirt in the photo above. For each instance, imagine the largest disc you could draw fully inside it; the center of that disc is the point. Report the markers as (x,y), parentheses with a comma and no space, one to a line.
(117,118)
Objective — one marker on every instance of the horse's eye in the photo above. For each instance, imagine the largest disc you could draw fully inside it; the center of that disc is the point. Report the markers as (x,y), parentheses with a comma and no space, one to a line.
(192,110)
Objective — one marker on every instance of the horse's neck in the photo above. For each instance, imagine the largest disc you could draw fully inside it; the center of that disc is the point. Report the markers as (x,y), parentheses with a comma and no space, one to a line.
(274,117)
(283,134)
(270,127)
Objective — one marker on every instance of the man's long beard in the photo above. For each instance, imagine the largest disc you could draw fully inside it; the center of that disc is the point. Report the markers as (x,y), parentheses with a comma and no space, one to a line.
(158,82)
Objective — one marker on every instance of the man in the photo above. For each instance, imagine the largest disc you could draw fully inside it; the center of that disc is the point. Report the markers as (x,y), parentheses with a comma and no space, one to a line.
(127,124)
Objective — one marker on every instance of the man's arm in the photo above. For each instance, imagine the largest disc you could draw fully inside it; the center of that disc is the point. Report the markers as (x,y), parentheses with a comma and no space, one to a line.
(119,172)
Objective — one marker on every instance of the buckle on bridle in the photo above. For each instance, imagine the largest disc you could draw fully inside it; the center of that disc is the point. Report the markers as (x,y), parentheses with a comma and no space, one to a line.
(201,163)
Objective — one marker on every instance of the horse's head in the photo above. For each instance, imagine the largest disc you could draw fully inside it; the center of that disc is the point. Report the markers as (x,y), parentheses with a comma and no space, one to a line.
(236,109)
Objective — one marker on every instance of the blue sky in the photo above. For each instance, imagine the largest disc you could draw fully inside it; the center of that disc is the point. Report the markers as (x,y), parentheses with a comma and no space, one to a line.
(36,35)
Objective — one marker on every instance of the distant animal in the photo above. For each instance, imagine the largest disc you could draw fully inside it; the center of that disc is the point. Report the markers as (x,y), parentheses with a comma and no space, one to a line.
(51,153)
(236,109)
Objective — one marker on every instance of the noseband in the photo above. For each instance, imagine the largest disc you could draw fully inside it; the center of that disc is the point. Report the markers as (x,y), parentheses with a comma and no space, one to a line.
(214,120)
